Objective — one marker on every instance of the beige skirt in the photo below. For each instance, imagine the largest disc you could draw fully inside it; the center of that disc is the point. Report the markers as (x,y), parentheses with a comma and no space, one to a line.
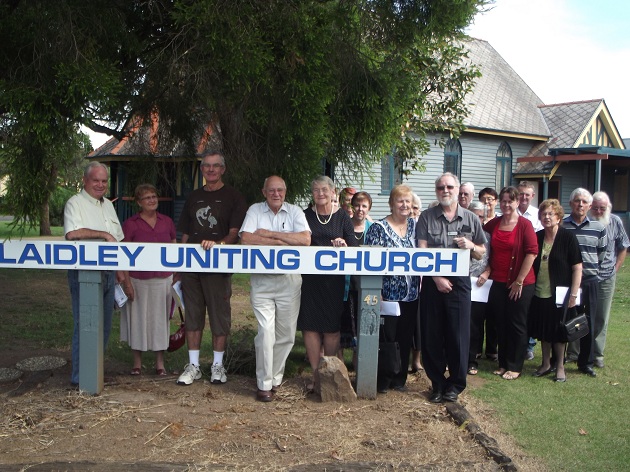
(144,322)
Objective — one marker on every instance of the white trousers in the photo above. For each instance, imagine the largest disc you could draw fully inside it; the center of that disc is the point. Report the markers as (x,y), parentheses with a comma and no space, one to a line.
(276,303)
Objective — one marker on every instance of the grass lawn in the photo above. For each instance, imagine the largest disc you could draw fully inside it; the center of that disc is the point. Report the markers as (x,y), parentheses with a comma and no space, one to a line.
(583,423)
(579,425)
(6,231)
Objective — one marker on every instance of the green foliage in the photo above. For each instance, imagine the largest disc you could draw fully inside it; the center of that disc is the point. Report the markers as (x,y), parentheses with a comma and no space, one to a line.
(286,83)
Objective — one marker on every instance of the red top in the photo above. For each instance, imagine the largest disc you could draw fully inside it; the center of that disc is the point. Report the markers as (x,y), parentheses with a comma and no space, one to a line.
(523,242)
(501,254)
(139,231)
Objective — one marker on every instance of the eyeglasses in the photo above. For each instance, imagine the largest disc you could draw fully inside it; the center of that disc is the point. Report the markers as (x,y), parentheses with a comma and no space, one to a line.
(416,208)
(275,190)
(487,199)
(213,166)
(464,194)
(323,190)
(150,197)
(441,188)
(599,208)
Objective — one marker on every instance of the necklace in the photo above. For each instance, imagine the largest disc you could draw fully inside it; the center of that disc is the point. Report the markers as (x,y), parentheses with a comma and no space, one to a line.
(323,222)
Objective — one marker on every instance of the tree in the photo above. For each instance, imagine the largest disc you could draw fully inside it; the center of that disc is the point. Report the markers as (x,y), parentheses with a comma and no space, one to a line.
(286,82)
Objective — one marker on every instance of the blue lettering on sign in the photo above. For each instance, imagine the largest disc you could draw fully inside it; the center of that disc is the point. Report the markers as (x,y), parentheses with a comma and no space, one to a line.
(398,259)
(345,260)
(3,259)
(82,258)
(179,252)
(230,253)
(319,264)
(381,264)
(104,254)
(30,253)
(439,262)
(258,256)
(286,262)
(58,254)
(132,255)
(415,259)
(202,259)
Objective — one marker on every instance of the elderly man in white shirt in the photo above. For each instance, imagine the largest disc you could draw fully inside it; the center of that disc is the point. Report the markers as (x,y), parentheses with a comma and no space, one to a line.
(275,297)
(89,215)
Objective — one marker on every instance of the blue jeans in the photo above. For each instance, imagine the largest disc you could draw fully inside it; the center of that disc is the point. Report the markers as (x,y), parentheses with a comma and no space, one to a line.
(108,279)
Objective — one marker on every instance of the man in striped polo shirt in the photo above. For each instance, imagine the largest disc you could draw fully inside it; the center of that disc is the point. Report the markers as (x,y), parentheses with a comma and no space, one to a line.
(591,236)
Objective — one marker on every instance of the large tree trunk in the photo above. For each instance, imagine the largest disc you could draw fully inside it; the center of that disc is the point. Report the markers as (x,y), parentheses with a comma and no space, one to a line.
(44,220)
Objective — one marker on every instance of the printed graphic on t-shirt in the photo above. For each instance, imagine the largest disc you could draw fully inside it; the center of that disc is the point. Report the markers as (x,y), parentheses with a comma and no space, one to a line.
(205,218)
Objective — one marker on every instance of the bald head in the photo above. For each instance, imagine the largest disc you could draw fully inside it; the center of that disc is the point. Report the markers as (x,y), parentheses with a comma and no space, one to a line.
(275,191)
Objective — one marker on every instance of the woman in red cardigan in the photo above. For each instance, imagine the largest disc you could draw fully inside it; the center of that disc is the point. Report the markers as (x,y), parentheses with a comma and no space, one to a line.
(514,247)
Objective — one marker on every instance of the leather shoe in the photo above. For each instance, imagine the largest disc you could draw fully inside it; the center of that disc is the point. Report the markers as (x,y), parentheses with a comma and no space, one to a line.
(400,388)
(450,396)
(588,371)
(436,397)
(543,373)
(264,396)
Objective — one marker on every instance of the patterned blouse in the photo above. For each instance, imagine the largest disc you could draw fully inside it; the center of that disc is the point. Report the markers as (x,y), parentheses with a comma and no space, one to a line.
(396,288)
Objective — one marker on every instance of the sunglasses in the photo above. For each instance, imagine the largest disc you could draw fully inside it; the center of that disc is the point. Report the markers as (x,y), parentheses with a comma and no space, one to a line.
(442,187)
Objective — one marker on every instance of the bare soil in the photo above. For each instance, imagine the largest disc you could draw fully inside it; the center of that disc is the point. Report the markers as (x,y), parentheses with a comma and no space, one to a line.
(150,423)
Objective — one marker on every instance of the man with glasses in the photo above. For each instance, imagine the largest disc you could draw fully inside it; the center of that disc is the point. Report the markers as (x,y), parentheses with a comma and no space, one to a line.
(212,215)
(275,297)
(591,236)
(616,249)
(466,194)
(445,301)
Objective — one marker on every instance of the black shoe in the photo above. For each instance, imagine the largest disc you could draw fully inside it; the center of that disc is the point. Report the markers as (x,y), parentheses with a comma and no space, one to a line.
(450,396)
(588,371)
(543,373)
(436,397)
(400,388)
(382,389)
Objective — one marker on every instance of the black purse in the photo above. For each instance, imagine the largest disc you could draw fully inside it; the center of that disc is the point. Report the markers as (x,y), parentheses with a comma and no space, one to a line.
(575,328)
(389,358)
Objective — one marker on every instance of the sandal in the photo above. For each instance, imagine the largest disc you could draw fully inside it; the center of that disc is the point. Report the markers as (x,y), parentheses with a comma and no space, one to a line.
(161,372)
(472,370)
(509,375)
(135,371)
(499,372)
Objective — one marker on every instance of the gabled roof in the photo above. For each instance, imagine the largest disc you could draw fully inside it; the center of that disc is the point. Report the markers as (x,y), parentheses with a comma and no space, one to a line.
(501,101)
(568,121)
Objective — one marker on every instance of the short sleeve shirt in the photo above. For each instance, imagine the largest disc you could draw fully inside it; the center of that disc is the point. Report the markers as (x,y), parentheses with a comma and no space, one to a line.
(289,219)
(209,215)
(438,232)
(82,211)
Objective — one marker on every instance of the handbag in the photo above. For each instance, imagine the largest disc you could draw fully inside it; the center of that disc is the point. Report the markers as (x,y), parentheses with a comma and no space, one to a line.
(575,328)
(389,358)
(178,338)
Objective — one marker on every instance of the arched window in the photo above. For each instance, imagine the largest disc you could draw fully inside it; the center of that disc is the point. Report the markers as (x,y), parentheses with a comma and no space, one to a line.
(504,166)
(453,157)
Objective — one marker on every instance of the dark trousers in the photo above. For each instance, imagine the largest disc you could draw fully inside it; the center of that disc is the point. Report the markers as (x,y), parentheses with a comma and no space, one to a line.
(511,322)
(445,329)
(399,329)
(589,302)
(477,321)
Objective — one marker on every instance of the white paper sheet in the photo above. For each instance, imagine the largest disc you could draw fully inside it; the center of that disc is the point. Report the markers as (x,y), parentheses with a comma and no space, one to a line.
(390,308)
(561,292)
(480,294)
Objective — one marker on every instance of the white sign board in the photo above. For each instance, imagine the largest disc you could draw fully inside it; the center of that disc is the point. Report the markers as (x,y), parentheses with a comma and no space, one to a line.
(94,255)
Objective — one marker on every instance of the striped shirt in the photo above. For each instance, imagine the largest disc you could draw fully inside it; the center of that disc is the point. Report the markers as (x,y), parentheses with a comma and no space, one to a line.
(591,236)
(617,242)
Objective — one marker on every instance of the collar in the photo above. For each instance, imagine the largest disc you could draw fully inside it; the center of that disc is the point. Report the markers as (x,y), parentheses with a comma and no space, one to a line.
(266,207)
(91,199)
(569,219)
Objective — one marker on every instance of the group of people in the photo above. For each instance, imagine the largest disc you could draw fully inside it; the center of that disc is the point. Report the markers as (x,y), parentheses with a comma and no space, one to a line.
(436,320)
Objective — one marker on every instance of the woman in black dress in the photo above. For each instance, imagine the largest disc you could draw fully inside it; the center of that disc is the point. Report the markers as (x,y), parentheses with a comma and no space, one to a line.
(559,264)
(322,295)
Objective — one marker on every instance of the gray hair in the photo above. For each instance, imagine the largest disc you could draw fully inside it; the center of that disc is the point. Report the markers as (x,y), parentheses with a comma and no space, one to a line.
(323,180)
(448,174)
(476,206)
(581,192)
(416,200)
(602,196)
(469,185)
(94,165)
(213,152)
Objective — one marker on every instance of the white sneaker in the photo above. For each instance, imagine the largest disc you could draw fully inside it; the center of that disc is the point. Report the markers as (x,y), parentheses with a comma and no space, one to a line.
(190,374)
(218,374)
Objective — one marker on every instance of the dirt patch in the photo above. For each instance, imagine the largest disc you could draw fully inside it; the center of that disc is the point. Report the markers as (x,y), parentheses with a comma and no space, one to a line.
(148,419)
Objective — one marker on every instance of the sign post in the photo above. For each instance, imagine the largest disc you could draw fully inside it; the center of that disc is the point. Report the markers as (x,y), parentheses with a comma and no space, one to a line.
(91,349)
(367,343)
